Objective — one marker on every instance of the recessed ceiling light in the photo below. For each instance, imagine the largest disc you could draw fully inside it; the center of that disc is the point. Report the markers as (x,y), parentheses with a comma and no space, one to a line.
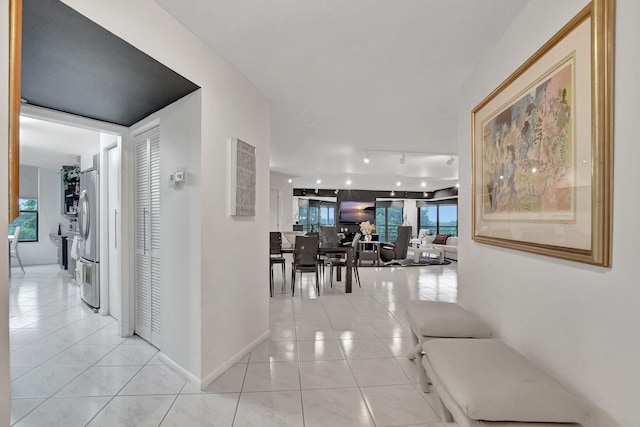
(290,180)
(458,185)
(348,182)
(398,184)
(423,184)
(367,160)
(318,181)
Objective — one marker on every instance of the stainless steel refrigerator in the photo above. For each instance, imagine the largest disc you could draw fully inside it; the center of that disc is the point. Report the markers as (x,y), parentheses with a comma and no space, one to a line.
(88,264)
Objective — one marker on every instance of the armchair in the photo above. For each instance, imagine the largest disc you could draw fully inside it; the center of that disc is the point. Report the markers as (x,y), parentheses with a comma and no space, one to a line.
(394,252)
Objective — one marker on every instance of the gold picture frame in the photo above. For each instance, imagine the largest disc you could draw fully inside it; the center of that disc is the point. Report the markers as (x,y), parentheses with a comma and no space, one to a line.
(542,147)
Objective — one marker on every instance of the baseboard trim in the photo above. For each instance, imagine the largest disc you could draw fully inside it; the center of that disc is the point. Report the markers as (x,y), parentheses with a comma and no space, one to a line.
(212,376)
(180,370)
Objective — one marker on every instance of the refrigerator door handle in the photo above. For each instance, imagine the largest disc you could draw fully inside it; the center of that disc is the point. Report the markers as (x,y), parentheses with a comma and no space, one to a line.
(84,221)
(115,228)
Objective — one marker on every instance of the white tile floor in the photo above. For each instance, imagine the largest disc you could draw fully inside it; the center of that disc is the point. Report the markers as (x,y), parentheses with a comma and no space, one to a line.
(333,360)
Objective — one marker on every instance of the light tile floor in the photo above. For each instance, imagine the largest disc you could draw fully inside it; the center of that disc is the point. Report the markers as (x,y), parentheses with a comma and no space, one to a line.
(332,360)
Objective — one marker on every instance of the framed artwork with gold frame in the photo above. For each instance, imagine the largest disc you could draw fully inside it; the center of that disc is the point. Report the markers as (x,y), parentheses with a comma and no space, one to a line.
(542,147)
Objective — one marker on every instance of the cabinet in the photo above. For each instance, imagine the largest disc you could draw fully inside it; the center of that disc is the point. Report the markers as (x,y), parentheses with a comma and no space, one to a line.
(147,236)
(70,181)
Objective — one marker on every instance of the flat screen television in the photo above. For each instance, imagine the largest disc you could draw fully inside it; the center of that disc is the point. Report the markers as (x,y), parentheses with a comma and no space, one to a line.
(357,212)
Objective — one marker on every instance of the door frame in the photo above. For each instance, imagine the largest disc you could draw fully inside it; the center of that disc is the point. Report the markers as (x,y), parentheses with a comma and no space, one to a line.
(124,326)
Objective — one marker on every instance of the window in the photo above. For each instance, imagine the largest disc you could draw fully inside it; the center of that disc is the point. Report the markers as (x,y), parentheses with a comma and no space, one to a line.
(27,220)
(439,217)
(388,219)
(315,214)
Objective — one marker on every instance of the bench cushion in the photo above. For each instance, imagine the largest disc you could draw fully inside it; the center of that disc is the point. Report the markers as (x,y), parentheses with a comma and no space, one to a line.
(445,319)
(490,381)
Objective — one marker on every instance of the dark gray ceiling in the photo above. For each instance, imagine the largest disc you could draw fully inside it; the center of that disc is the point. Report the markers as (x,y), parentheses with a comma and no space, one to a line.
(71,64)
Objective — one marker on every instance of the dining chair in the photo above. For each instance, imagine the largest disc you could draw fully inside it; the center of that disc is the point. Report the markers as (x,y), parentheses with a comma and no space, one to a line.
(342,262)
(329,238)
(13,247)
(276,257)
(305,259)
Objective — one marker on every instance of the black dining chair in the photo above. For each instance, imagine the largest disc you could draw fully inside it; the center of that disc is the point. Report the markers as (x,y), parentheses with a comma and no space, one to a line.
(329,239)
(276,257)
(305,259)
(342,262)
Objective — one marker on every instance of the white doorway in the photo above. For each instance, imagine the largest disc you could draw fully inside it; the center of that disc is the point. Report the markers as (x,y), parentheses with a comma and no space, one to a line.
(274,210)
(113,212)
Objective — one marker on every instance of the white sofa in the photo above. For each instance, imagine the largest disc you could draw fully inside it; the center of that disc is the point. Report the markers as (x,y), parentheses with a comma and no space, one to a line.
(450,248)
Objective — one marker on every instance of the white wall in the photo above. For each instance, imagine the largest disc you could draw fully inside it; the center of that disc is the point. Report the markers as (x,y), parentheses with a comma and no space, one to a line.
(577,321)
(180,230)
(43,251)
(280,183)
(410,211)
(4,221)
(234,299)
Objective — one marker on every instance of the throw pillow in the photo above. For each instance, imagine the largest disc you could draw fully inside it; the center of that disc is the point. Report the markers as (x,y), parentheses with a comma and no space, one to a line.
(441,239)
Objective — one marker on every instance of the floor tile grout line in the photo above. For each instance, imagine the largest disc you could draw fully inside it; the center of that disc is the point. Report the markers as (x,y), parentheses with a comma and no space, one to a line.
(382,295)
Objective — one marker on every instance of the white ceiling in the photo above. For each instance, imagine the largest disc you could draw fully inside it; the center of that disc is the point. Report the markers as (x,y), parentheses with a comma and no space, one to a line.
(348,76)
(51,145)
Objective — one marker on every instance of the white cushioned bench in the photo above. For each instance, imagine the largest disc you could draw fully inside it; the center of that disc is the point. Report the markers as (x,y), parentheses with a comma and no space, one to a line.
(484,382)
(438,319)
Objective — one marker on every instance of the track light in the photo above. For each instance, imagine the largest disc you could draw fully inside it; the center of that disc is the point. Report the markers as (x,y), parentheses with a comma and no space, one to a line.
(450,161)
(393,193)
(336,191)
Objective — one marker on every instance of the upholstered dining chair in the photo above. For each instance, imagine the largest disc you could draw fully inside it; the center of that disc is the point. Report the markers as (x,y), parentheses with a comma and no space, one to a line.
(305,259)
(328,239)
(276,257)
(13,247)
(397,251)
(342,262)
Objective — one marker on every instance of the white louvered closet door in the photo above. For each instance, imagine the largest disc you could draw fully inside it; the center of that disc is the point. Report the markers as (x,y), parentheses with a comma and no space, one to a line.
(147,202)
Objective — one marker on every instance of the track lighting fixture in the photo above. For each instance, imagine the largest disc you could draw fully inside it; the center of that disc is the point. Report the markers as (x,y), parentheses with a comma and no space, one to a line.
(450,161)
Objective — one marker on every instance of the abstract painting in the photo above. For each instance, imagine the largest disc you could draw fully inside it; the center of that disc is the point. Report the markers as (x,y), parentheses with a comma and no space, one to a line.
(542,147)
(527,152)
(243,178)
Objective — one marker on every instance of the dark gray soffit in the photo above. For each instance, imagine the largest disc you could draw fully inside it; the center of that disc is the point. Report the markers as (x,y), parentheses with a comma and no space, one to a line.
(71,64)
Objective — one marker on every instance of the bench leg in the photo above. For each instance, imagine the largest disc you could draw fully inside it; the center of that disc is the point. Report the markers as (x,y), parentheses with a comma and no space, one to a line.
(442,411)
(417,351)
(422,375)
